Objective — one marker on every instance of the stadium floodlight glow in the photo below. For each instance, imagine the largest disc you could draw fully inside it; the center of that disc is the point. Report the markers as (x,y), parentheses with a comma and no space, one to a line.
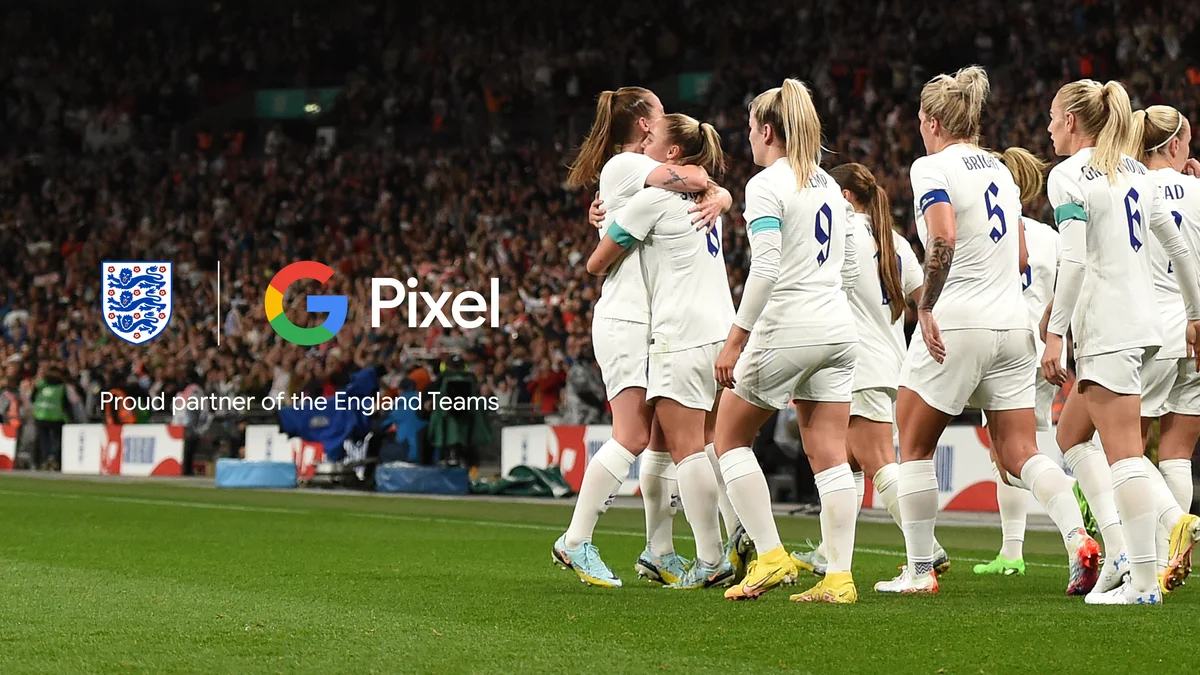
(335,305)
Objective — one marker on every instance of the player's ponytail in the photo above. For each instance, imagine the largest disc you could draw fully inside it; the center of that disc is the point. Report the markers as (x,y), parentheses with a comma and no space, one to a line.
(1104,114)
(790,112)
(699,143)
(1028,171)
(956,102)
(617,114)
(871,197)
(1152,131)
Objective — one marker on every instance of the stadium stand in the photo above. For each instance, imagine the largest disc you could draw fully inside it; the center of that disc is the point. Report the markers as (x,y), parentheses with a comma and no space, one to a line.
(441,157)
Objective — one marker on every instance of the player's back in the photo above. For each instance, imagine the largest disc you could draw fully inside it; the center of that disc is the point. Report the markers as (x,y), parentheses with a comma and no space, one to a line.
(983,288)
(1116,309)
(684,268)
(623,293)
(1180,195)
(807,305)
(1037,281)
(880,346)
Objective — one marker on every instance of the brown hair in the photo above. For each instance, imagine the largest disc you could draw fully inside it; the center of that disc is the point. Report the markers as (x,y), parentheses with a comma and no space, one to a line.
(790,112)
(1152,129)
(870,195)
(617,114)
(956,101)
(1104,113)
(1028,171)
(699,143)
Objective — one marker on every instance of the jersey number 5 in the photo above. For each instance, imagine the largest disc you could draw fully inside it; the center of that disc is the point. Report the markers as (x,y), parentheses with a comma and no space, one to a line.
(1137,229)
(994,211)
(824,232)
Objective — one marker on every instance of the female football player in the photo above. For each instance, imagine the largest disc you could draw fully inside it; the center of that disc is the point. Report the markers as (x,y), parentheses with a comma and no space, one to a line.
(1105,202)
(690,312)
(976,344)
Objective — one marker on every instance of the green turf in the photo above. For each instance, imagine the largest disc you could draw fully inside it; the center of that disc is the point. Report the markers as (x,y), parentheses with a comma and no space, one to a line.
(153,578)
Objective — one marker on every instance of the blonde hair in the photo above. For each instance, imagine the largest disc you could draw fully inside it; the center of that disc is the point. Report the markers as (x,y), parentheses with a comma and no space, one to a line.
(956,101)
(1152,129)
(699,143)
(1028,171)
(790,112)
(617,114)
(1103,112)
(861,183)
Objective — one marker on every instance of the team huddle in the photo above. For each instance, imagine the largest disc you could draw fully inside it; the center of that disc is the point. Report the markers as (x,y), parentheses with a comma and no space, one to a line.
(690,379)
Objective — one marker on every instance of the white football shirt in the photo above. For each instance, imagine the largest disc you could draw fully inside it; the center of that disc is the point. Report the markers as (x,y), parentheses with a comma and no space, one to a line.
(1037,281)
(807,305)
(983,289)
(1116,308)
(690,303)
(881,346)
(1180,196)
(623,294)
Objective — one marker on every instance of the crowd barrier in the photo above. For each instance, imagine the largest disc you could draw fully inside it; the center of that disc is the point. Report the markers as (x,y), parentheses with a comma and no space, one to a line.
(8,446)
(122,450)
(964,467)
(964,470)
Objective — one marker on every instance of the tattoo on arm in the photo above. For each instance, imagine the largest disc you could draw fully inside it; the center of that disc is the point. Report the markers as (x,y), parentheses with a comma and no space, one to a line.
(937,267)
(675,178)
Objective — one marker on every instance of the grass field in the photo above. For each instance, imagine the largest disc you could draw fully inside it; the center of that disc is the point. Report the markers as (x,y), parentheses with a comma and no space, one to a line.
(153,578)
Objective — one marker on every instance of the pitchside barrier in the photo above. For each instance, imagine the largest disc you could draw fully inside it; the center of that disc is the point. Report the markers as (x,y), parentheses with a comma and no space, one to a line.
(964,467)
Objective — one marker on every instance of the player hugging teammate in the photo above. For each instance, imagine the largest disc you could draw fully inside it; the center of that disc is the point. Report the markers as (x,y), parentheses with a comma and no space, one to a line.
(818,327)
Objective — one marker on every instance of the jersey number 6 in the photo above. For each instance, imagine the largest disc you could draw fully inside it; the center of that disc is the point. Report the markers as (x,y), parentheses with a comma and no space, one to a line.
(1134,215)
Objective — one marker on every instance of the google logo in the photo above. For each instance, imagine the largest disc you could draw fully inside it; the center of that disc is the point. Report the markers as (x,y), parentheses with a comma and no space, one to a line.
(335,305)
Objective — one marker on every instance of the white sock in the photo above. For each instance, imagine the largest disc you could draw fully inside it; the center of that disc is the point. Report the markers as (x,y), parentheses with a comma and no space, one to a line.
(1166,509)
(1090,467)
(657,493)
(1051,487)
(1162,548)
(860,488)
(698,488)
(1014,506)
(601,480)
(728,513)
(748,490)
(918,499)
(1178,474)
(1132,491)
(886,480)
(837,488)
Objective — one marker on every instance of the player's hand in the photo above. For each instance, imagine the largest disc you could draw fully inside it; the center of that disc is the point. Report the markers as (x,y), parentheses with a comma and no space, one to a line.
(932,335)
(1193,334)
(1052,368)
(726,360)
(596,212)
(714,202)
(1192,167)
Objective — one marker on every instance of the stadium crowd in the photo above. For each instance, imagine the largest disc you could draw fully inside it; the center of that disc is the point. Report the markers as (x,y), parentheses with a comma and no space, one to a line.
(453,131)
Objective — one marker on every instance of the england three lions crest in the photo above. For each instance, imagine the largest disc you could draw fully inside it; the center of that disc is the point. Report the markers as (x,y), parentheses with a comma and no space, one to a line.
(136,299)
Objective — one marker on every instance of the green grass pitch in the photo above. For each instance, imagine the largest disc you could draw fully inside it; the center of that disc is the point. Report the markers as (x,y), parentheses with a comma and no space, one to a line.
(151,578)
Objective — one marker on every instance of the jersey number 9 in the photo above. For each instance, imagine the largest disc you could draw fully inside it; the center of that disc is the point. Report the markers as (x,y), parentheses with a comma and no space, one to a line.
(824,232)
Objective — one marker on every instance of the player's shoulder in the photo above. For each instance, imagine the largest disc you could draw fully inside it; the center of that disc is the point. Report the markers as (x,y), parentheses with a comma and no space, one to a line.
(1070,169)
(770,180)
(624,163)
